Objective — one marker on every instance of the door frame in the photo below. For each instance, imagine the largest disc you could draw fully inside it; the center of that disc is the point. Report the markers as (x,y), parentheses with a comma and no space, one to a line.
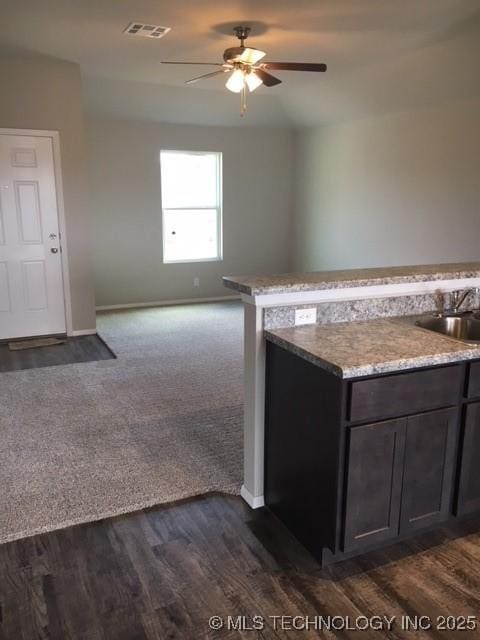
(57,164)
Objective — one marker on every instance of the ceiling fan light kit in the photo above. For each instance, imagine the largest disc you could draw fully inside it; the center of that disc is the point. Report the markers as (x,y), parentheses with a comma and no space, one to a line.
(236,81)
(247,73)
(253,80)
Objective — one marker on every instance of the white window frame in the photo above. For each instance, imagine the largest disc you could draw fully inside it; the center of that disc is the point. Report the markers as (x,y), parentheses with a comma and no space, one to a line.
(218,208)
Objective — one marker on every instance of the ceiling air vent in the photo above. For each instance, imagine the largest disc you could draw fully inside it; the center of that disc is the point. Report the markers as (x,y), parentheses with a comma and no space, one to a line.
(146,30)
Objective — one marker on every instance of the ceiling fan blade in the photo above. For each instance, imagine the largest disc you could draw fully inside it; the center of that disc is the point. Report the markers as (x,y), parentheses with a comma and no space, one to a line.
(207,75)
(267,78)
(210,64)
(294,66)
(251,56)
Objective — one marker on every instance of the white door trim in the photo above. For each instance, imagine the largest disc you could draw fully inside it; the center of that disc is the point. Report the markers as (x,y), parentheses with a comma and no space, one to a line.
(57,161)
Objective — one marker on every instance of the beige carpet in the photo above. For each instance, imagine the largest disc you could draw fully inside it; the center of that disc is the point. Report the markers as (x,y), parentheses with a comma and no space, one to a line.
(162,422)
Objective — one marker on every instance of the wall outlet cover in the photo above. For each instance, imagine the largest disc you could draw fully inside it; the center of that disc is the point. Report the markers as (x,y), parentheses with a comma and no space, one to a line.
(196,282)
(306,316)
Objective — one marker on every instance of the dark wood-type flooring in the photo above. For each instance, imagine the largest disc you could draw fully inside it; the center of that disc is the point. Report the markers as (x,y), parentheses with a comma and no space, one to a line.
(162,572)
(74,350)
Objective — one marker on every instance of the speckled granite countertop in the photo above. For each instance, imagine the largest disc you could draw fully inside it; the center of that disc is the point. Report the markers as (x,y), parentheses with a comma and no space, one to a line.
(317,280)
(353,349)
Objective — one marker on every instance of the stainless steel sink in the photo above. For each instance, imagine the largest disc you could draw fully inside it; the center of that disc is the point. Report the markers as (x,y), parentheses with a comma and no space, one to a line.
(465,328)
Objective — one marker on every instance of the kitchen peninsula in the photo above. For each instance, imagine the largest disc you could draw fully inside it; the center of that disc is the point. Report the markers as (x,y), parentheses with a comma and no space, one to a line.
(371,421)
(272,302)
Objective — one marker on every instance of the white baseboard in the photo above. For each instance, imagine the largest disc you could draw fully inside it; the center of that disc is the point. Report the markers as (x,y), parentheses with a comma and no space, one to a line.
(83,332)
(253,501)
(165,303)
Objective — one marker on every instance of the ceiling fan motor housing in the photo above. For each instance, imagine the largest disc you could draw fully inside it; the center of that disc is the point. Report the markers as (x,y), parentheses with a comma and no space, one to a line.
(233,54)
(245,55)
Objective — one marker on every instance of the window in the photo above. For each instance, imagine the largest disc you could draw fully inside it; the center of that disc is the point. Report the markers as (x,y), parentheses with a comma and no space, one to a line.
(191,205)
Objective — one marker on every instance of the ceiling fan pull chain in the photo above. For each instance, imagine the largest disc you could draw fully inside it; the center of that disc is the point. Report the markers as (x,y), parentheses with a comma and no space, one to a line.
(243,101)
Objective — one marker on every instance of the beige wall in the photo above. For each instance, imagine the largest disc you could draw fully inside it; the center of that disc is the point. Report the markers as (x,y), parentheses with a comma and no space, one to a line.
(399,189)
(126,214)
(44,93)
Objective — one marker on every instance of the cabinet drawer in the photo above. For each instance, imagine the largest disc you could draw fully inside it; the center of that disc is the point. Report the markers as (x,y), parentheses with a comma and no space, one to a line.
(474,380)
(405,393)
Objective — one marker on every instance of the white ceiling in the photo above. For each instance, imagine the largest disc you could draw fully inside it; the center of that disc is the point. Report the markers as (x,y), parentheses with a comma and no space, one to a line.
(382,55)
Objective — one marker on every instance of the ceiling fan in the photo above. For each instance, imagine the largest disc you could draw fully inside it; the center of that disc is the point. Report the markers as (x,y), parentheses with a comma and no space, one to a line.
(247,73)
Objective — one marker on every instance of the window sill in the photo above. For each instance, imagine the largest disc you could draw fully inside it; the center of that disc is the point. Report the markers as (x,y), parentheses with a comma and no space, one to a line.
(194,260)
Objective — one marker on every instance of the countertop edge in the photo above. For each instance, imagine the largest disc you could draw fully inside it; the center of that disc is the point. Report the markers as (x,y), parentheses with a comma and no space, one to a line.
(391,366)
(232,282)
(236,286)
(303,353)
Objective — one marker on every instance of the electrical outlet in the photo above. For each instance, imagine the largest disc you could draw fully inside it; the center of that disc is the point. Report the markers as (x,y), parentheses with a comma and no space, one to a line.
(196,282)
(305,316)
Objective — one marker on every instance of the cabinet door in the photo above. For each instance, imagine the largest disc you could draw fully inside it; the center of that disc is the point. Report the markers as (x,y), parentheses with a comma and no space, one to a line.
(430,456)
(374,483)
(469,487)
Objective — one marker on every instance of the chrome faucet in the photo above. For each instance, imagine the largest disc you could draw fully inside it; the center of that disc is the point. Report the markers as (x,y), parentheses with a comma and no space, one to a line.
(457,298)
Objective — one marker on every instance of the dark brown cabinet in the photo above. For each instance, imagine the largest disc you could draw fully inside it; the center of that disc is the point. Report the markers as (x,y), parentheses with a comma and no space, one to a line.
(399,476)
(469,482)
(430,460)
(474,380)
(351,465)
(374,483)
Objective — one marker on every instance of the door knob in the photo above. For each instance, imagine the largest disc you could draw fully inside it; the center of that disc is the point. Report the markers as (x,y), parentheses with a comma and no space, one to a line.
(54,250)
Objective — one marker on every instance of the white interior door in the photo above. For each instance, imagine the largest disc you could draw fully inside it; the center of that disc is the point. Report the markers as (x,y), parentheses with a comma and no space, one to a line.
(31,282)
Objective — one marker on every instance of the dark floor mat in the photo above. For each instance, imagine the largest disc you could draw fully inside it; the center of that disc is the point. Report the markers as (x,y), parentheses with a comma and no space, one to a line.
(34,343)
(74,350)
